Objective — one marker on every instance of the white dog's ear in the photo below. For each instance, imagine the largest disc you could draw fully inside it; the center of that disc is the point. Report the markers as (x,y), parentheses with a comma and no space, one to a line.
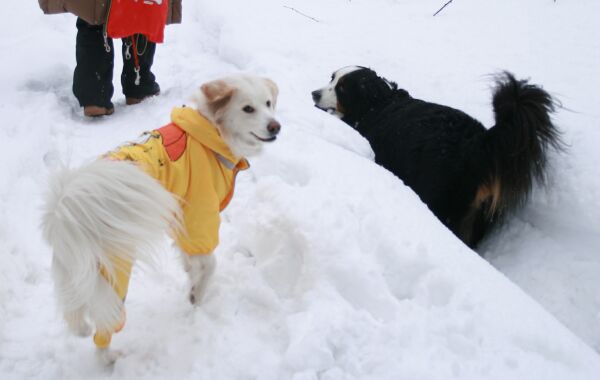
(217,92)
(273,88)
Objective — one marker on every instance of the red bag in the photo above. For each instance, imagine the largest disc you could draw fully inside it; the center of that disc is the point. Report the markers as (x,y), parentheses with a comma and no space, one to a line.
(129,17)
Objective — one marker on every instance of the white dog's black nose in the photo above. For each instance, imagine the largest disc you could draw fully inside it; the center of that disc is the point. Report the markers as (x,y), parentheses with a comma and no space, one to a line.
(316,95)
(273,127)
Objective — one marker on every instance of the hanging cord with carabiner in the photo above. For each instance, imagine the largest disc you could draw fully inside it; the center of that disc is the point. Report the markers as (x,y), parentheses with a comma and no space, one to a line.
(134,45)
(106,45)
(105,29)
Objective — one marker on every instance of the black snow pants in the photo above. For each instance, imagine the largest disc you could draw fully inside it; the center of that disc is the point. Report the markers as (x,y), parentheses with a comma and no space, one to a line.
(92,80)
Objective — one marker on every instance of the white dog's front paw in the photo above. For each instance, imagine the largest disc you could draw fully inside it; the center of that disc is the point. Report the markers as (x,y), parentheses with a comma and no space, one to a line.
(201,268)
(197,294)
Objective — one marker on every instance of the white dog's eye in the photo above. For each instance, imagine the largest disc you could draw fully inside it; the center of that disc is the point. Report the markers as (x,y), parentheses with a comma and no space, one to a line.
(268,103)
(248,109)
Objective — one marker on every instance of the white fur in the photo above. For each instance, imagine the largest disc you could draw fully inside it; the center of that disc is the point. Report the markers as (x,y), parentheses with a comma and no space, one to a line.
(200,269)
(114,208)
(107,356)
(240,129)
(103,208)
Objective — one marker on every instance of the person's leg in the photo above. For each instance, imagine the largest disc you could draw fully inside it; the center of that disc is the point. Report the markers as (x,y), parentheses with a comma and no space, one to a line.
(92,79)
(136,88)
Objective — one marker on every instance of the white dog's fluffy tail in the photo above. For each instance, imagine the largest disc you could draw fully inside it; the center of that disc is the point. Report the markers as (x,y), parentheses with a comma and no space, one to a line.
(101,209)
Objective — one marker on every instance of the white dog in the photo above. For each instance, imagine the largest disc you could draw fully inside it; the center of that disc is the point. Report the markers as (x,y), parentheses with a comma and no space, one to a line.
(102,217)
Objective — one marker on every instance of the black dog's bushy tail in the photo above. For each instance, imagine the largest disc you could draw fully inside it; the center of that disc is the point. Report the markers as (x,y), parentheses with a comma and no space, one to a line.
(519,141)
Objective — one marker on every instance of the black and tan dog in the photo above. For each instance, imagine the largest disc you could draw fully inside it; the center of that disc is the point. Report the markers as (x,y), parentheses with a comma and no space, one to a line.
(469,176)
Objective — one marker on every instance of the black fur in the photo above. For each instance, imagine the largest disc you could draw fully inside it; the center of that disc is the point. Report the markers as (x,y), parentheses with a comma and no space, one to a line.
(469,176)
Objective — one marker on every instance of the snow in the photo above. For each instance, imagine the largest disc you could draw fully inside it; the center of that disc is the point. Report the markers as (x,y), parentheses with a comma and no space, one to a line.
(329,267)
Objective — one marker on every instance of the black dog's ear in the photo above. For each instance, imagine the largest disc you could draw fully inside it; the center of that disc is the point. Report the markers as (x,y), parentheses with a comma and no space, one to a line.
(376,89)
(392,85)
(359,92)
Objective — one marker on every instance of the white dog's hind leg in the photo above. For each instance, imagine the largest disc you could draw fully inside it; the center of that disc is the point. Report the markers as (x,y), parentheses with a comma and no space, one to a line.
(94,218)
(77,322)
(200,269)
(108,356)
(74,313)
(106,308)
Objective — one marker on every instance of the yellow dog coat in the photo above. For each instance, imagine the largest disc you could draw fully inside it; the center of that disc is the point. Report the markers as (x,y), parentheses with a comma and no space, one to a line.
(191,160)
